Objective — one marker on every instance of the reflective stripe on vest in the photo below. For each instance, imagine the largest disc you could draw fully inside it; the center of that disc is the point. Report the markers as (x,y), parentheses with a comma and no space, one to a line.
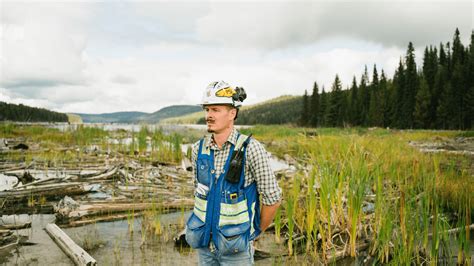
(252,229)
(200,207)
(236,213)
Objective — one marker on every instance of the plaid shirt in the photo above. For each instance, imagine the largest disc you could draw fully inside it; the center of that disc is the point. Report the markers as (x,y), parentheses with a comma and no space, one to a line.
(257,166)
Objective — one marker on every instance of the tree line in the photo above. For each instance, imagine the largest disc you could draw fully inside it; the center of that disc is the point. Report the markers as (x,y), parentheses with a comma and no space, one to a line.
(23,113)
(437,95)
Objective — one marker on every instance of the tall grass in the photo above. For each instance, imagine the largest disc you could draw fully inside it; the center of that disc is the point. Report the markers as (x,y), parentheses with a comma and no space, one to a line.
(291,212)
(413,194)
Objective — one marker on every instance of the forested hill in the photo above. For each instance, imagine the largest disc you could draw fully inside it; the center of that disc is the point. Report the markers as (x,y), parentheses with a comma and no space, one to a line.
(137,117)
(439,94)
(23,113)
(281,110)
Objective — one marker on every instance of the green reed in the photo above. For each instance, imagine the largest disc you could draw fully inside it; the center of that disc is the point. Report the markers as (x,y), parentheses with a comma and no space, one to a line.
(142,139)
(311,207)
(413,198)
(291,205)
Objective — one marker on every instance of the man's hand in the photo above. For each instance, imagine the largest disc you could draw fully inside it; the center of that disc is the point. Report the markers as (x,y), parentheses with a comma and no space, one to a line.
(267,215)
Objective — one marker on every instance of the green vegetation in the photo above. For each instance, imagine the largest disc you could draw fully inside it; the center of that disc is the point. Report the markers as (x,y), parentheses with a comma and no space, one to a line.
(191,118)
(23,113)
(55,146)
(281,110)
(374,186)
(440,95)
(353,187)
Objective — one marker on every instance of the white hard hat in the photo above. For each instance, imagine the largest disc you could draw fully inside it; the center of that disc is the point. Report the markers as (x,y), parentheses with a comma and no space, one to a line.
(220,92)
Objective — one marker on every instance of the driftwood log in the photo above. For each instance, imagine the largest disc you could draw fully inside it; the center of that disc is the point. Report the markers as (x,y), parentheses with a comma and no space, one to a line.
(57,189)
(78,255)
(109,211)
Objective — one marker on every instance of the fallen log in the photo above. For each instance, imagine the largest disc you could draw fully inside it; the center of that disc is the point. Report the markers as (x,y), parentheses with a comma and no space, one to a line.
(12,167)
(105,175)
(109,208)
(108,218)
(78,255)
(15,226)
(5,233)
(51,190)
(41,181)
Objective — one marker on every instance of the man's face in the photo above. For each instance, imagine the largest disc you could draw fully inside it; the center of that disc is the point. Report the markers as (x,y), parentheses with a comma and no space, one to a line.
(219,117)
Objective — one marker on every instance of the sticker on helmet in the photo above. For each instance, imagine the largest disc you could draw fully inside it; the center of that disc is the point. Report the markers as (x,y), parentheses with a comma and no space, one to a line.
(227,92)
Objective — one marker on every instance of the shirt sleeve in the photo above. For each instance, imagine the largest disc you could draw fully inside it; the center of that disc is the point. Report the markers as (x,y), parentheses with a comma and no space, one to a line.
(259,165)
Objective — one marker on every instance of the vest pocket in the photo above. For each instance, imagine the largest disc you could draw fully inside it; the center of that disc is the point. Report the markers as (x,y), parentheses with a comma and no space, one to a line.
(203,171)
(233,238)
(195,229)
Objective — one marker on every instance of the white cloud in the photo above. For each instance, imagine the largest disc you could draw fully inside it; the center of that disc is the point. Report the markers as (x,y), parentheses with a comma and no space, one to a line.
(99,57)
(42,44)
(281,24)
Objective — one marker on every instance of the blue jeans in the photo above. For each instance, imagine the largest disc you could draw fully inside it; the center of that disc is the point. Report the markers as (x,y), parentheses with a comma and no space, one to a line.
(211,256)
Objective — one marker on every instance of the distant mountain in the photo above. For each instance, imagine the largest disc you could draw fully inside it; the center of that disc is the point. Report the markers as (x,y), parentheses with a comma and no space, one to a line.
(172,111)
(118,117)
(137,117)
(24,113)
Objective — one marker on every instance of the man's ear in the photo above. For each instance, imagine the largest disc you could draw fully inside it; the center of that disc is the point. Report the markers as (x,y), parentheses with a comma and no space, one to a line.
(233,111)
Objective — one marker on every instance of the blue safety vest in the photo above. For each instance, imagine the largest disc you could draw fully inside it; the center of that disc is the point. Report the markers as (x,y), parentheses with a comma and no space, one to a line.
(229,213)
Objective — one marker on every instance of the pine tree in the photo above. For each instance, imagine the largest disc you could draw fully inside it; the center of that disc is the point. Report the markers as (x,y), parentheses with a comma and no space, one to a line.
(336,107)
(458,110)
(323,105)
(458,49)
(363,99)
(411,88)
(469,95)
(347,112)
(443,110)
(375,111)
(354,112)
(398,96)
(430,69)
(304,119)
(421,114)
(384,100)
(314,106)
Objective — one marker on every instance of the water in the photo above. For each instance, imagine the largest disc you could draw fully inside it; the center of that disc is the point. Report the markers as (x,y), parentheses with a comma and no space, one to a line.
(135,127)
(115,245)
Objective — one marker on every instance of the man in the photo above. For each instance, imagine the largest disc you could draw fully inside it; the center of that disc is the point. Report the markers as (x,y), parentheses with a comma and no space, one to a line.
(232,177)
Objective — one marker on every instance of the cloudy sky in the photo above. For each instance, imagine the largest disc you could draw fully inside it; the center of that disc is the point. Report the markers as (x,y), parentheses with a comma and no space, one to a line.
(109,56)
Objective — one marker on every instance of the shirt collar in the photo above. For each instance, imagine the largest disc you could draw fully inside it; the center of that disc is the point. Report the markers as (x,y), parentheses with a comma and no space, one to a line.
(231,139)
